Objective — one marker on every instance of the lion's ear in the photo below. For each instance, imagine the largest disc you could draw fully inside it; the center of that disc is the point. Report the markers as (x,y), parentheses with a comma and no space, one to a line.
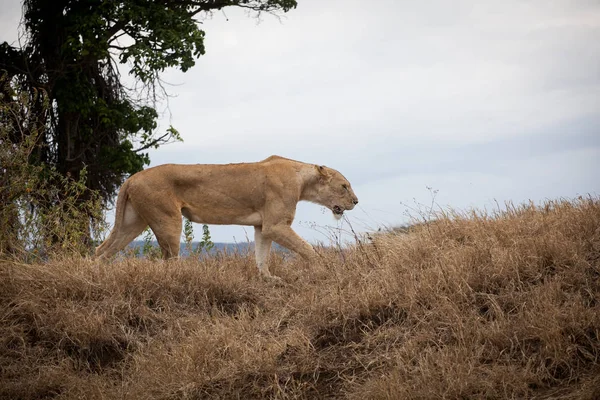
(323,174)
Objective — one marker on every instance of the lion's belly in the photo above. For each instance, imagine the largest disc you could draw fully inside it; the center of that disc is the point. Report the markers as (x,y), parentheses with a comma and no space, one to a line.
(253,219)
(222,217)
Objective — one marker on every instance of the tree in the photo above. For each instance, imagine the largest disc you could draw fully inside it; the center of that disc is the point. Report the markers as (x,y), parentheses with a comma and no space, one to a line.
(72,51)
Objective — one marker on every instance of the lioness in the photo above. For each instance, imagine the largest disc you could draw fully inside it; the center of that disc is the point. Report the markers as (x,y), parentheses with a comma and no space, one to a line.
(262,194)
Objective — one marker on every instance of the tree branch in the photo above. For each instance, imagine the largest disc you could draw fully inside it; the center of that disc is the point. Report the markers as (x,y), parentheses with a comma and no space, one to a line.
(119,25)
(152,143)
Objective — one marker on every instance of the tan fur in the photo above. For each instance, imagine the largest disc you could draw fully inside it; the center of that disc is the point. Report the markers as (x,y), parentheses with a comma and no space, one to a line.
(262,194)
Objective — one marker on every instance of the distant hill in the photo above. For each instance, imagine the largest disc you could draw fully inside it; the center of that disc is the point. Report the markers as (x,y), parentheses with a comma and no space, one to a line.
(218,247)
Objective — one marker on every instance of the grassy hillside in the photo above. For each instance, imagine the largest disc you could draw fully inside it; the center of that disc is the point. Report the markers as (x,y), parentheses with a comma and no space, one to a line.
(471,306)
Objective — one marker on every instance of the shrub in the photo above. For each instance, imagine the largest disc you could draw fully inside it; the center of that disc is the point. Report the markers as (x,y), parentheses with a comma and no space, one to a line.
(42,211)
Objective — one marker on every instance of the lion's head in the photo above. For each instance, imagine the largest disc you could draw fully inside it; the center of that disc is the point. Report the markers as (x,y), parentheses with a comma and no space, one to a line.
(333,191)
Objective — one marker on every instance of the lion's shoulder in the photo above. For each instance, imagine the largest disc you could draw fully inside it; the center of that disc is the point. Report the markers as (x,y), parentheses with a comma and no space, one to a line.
(279,158)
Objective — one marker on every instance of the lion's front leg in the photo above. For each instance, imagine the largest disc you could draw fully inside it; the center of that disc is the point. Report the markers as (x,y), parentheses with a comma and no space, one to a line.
(262,248)
(286,237)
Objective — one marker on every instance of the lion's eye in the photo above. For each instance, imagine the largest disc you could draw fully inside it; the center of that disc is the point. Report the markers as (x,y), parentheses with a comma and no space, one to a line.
(345,187)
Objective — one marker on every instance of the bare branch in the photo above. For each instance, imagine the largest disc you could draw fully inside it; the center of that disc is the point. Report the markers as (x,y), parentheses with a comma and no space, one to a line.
(112,46)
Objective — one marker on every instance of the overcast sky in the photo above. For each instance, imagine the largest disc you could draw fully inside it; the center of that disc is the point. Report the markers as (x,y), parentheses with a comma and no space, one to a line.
(482,101)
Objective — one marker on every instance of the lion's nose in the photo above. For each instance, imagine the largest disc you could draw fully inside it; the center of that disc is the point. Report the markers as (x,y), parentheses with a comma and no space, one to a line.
(355,201)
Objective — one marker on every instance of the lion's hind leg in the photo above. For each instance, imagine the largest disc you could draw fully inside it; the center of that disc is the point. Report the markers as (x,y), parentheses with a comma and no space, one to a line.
(168,235)
(122,233)
(164,218)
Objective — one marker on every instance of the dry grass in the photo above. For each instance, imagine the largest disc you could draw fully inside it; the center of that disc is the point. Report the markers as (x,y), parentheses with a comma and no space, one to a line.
(471,306)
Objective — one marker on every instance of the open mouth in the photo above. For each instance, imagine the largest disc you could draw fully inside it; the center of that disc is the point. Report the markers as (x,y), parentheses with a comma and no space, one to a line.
(337,210)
